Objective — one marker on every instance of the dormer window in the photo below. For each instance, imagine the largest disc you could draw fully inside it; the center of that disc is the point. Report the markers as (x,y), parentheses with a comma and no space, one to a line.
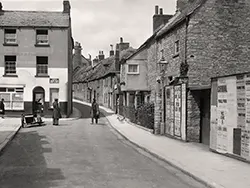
(10,36)
(42,37)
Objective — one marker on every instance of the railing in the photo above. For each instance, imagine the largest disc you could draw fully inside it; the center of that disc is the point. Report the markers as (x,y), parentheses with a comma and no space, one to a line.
(10,38)
(42,69)
(143,115)
(42,39)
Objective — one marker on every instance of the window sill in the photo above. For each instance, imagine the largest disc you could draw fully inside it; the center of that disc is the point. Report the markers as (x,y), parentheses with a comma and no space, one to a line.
(42,45)
(176,55)
(9,75)
(133,73)
(42,76)
(9,44)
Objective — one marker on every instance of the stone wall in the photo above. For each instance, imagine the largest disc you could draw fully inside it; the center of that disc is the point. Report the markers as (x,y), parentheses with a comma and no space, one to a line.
(218,40)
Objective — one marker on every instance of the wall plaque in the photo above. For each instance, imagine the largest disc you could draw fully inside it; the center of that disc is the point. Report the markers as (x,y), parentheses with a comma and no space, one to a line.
(54,80)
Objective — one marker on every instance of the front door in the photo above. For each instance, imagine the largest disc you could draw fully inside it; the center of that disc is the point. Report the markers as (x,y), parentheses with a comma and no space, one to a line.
(205,117)
(38,94)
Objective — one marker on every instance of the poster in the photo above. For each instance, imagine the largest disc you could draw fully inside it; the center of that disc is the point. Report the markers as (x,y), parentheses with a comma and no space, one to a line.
(221,115)
(213,128)
(168,111)
(172,111)
(177,110)
(183,111)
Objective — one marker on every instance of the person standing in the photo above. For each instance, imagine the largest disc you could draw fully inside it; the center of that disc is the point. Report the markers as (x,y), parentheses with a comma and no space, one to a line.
(56,112)
(95,111)
(2,108)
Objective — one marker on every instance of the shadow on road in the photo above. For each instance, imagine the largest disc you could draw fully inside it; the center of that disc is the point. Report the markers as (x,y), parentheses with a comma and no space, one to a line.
(23,163)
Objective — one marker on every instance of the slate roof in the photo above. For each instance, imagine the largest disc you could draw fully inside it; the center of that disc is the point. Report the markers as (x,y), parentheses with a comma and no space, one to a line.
(180,16)
(34,19)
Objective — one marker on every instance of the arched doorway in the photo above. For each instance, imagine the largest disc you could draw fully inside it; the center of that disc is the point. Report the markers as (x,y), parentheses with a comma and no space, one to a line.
(38,93)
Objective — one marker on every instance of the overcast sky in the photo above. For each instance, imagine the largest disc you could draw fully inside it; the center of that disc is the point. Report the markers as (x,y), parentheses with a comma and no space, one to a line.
(99,23)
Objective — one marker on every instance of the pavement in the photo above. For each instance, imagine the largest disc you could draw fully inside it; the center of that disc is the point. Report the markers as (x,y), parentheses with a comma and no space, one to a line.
(77,154)
(213,170)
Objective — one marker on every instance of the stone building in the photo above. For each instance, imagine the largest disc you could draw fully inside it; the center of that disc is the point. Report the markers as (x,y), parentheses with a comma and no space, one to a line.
(203,39)
(36,59)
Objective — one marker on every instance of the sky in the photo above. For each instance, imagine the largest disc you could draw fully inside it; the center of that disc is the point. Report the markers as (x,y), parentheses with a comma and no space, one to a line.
(98,23)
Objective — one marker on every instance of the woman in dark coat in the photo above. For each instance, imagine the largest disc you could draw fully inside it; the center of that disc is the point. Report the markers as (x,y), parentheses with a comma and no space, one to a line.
(95,112)
(56,112)
(2,108)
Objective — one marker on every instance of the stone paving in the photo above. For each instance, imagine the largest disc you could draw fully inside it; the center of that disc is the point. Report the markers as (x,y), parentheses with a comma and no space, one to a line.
(195,159)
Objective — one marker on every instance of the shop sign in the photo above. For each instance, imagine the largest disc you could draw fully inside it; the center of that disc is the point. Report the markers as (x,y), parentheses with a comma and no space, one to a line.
(54,80)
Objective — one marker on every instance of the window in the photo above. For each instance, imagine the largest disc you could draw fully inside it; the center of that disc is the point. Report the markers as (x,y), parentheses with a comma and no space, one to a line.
(42,37)
(13,98)
(177,47)
(133,69)
(54,94)
(10,65)
(41,66)
(10,36)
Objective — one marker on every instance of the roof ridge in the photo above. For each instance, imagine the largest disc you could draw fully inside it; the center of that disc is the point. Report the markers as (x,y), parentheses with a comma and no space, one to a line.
(33,11)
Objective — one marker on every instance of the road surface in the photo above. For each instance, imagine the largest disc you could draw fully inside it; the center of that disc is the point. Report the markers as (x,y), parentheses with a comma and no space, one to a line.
(77,154)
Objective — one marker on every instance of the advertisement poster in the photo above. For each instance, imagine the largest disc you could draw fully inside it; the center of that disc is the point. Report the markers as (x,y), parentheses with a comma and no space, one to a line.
(213,128)
(183,111)
(221,115)
(231,116)
(172,111)
(168,110)
(177,106)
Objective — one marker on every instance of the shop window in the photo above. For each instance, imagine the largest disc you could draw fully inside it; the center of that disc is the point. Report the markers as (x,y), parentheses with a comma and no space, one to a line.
(54,94)
(13,98)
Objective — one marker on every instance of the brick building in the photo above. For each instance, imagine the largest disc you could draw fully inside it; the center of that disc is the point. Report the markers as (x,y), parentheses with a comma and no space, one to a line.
(36,59)
(203,39)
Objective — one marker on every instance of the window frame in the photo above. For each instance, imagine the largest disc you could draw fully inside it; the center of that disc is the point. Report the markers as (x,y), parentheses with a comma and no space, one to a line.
(39,64)
(6,33)
(51,100)
(176,47)
(137,72)
(10,61)
(37,36)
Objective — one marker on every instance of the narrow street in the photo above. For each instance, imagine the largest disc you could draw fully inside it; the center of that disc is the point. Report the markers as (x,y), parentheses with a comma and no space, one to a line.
(79,154)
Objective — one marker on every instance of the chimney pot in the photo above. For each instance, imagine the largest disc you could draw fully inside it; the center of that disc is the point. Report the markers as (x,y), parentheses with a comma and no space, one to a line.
(156,9)
(121,40)
(161,11)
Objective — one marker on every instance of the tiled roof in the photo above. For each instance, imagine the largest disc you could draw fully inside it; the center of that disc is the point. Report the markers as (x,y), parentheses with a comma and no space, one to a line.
(34,19)
(180,16)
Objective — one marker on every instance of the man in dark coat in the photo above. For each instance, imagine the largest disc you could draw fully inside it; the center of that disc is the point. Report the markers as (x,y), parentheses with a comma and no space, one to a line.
(95,112)
(2,108)
(56,112)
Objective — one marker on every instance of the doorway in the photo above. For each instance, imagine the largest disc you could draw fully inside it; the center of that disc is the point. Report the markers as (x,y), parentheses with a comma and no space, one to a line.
(205,117)
(38,93)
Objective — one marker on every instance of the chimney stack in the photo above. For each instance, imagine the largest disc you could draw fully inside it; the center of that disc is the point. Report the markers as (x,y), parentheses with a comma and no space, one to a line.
(111,52)
(101,55)
(159,19)
(77,54)
(122,45)
(66,6)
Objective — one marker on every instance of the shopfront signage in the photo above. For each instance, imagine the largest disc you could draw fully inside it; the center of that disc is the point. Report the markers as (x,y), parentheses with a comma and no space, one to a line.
(54,80)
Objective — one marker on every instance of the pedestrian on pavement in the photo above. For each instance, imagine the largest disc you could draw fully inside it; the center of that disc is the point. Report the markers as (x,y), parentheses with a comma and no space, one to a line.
(2,108)
(95,113)
(56,112)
